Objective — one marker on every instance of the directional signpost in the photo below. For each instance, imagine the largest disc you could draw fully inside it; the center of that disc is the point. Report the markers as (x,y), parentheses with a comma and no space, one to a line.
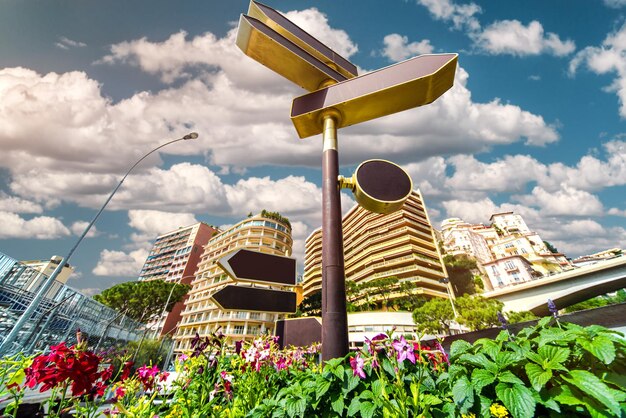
(251,266)
(339,98)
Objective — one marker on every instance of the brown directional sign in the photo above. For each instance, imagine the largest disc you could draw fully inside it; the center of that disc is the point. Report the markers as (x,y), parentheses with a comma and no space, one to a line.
(411,83)
(253,266)
(244,298)
(270,48)
(304,40)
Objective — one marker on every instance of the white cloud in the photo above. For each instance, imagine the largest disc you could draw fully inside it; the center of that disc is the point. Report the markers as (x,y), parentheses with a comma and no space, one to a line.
(565,202)
(315,22)
(615,4)
(120,264)
(17,205)
(154,222)
(461,15)
(617,212)
(78,228)
(40,227)
(512,37)
(397,47)
(509,174)
(471,211)
(66,43)
(607,58)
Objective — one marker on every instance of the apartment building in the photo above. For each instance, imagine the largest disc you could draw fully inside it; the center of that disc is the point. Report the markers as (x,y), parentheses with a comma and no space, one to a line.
(399,244)
(174,258)
(268,233)
(508,238)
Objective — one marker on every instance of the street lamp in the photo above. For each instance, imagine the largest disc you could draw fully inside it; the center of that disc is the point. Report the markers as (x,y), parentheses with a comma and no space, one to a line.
(30,310)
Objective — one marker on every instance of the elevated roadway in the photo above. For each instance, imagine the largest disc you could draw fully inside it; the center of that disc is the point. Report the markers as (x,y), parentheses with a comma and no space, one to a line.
(565,289)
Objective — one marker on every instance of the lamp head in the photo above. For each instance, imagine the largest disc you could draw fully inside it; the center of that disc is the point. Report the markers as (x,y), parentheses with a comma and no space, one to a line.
(191,135)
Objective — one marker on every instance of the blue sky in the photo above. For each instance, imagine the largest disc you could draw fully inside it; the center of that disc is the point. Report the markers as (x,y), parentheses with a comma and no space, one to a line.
(534,123)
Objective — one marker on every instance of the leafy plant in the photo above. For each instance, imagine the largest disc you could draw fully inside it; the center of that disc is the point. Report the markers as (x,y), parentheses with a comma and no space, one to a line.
(543,371)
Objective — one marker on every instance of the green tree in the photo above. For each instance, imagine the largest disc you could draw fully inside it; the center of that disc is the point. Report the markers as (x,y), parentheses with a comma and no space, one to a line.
(380,289)
(143,301)
(434,317)
(551,247)
(477,312)
(410,299)
(460,273)
(599,301)
(311,305)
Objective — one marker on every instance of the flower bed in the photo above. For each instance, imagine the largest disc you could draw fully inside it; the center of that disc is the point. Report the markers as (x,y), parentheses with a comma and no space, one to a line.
(549,370)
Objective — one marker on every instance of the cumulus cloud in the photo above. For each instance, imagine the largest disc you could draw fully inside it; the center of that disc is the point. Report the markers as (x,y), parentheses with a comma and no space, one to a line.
(462,16)
(565,202)
(78,228)
(17,205)
(500,37)
(39,227)
(152,223)
(397,47)
(608,58)
(512,37)
(120,264)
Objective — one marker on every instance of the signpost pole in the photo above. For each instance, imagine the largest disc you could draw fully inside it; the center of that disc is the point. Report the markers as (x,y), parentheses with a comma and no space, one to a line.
(334,316)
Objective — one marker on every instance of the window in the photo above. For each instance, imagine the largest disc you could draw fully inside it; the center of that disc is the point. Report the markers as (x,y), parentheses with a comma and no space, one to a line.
(515,276)
(238,329)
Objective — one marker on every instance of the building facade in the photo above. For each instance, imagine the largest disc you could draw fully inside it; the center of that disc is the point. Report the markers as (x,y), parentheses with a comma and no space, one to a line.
(399,244)
(174,258)
(507,238)
(508,271)
(267,233)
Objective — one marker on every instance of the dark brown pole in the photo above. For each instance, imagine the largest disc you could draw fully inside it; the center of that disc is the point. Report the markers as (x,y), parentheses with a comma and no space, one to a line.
(334,316)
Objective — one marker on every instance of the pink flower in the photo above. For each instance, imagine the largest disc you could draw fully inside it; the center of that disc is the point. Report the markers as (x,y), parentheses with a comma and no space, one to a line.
(404,350)
(357,364)
(183,357)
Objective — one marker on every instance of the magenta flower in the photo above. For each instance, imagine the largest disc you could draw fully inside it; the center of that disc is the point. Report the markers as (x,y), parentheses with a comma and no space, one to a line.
(404,350)
(357,364)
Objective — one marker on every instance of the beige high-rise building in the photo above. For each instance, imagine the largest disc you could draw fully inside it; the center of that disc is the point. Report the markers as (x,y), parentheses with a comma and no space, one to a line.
(399,244)
(267,233)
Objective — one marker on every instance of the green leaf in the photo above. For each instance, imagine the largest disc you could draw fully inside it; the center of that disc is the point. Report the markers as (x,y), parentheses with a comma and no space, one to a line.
(518,399)
(354,407)
(459,347)
(388,367)
(482,378)
(367,409)
(505,359)
(463,393)
(367,394)
(479,360)
(337,403)
(491,348)
(594,387)
(554,353)
(601,347)
(509,377)
(565,396)
(377,388)
(339,371)
(295,406)
(428,400)
(544,321)
(485,403)
(537,375)
(349,383)
(321,388)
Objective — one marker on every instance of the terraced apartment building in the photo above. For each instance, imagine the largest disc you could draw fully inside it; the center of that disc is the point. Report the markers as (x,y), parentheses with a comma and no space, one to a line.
(267,233)
(400,244)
